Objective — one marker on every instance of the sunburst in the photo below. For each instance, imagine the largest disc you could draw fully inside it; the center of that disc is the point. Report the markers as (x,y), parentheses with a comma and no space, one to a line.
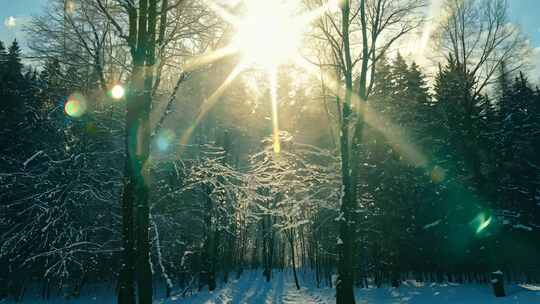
(268,34)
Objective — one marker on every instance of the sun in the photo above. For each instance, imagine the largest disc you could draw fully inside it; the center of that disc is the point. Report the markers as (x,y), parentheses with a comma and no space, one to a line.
(268,34)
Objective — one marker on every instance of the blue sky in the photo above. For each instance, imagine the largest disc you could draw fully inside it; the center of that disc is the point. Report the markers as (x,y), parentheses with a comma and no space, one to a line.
(525,13)
(21,10)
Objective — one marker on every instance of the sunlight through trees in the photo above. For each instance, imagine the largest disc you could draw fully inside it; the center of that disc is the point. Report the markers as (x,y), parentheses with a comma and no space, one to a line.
(174,148)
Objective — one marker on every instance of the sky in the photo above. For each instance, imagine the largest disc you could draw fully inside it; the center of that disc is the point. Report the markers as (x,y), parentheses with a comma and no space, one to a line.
(21,11)
(15,13)
(525,14)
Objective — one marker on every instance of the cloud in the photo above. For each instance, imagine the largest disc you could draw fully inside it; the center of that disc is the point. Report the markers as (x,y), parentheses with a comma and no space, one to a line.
(433,13)
(536,68)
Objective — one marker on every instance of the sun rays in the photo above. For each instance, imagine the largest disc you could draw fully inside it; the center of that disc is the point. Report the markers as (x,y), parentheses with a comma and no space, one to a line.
(396,136)
(267,34)
(210,102)
(275,118)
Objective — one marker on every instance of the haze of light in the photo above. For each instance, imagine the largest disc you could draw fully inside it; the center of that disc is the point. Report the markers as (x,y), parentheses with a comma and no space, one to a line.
(267,35)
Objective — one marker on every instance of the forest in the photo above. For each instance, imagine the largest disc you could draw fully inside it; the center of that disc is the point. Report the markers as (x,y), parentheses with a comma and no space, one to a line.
(165,148)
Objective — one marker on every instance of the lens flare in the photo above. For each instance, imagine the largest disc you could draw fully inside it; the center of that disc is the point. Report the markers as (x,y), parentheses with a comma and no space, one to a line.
(481,222)
(10,22)
(165,139)
(75,106)
(69,6)
(438,174)
(91,128)
(118,92)
(483,225)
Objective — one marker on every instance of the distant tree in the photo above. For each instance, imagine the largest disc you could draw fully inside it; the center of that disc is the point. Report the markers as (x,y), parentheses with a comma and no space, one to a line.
(13,96)
(13,62)
(373,20)
(52,167)
(397,188)
(460,109)
(519,165)
(478,36)
(3,59)
(382,88)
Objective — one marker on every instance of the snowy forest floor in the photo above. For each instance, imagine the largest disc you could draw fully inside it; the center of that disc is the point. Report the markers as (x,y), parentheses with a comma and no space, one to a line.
(252,288)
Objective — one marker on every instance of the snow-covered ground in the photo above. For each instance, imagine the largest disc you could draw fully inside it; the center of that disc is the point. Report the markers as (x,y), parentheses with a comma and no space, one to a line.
(251,288)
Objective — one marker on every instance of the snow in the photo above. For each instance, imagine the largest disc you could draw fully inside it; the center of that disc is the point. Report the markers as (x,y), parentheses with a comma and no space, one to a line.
(252,288)
(530,287)
(520,226)
(31,158)
(431,225)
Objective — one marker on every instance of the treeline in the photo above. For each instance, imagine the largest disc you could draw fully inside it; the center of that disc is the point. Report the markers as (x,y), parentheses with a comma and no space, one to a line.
(60,179)
(453,183)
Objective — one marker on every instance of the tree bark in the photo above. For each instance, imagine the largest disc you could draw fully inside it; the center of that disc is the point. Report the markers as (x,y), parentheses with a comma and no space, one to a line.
(293,259)
(344,284)
(126,291)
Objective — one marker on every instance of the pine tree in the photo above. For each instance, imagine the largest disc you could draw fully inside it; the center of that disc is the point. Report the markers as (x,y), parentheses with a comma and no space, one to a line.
(51,80)
(382,86)
(399,79)
(3,59)
(417,88)
(395,183)
(12,101)
(458,111)
(13,63)
(522,174)
(495,133)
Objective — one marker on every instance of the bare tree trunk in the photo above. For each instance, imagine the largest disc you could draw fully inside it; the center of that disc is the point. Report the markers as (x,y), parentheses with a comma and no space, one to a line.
(147,37)
(303,247)
(344,284)
(207,275)
(126,291)
(293,259)
(268,246)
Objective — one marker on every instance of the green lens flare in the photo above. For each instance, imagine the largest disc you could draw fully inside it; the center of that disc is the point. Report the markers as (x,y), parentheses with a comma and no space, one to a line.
(75,106)
(480,222)
(483,225)
(165,139)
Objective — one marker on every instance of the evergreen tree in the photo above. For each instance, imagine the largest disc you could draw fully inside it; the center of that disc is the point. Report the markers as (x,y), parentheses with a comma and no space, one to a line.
(3,59)
(397,185)
(382,86)
(399,79)
(417,88)
(12,101)
(458,112)
(13,63)
(520,173)
(53,86)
